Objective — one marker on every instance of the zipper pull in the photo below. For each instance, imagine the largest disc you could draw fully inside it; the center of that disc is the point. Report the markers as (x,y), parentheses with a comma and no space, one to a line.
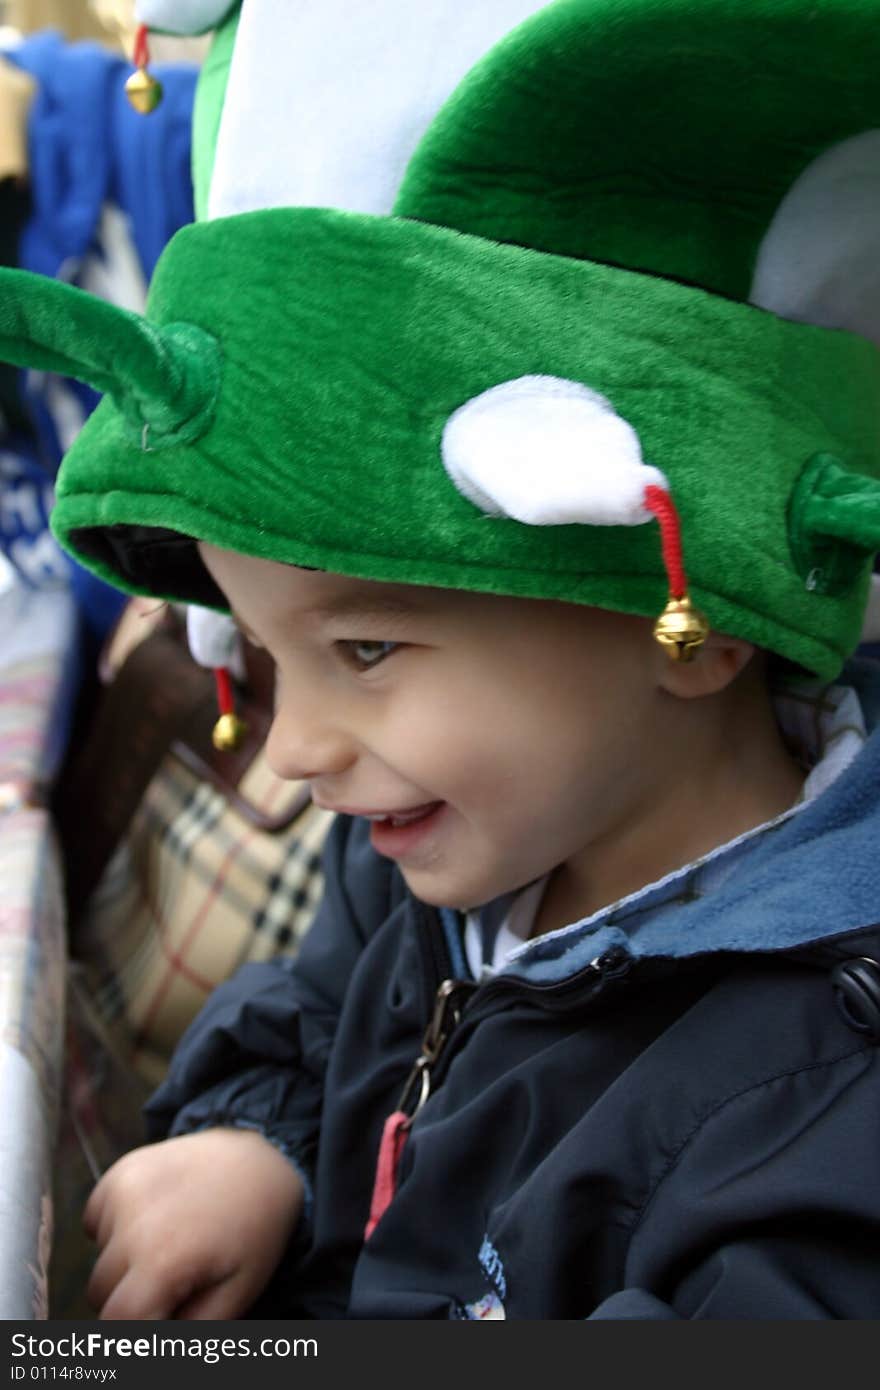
(448,1003)
(447,1012)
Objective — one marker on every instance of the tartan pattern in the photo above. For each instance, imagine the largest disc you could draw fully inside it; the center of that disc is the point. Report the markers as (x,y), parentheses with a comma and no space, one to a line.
(32,948)
(27,695)
(32,973)
(100,1121)
(194,891)
(38,672)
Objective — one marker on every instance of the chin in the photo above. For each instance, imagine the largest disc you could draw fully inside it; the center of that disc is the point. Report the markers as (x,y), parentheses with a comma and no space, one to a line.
(454,896)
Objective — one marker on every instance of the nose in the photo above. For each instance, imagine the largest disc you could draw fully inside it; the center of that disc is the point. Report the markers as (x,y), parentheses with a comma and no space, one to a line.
(308,739)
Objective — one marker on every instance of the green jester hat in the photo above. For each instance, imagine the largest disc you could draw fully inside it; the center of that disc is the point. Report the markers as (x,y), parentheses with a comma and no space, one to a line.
(620,268)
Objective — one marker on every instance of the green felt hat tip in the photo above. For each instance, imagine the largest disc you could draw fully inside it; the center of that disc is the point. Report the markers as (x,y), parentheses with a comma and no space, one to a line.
(691,292)
(834,524)
(165,380)
(189,365)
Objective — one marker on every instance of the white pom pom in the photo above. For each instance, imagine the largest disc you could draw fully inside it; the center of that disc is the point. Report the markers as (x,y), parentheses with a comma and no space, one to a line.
(214,640)
(182,16)
(547,452)
(8,577)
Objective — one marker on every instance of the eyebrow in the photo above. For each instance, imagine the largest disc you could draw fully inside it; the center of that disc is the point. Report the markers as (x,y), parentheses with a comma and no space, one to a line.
(351,607)
(365,607)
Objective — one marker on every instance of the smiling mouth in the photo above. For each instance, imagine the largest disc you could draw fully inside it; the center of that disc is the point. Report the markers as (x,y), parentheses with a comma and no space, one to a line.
(398,819)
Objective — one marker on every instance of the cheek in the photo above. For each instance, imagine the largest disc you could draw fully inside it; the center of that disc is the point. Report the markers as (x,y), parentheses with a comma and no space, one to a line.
(554,755)
(455,741)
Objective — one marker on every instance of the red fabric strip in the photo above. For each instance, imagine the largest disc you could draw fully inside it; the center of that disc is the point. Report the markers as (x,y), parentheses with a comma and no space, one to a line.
(141,54)
(658,501)
(393,1139)
(223,682)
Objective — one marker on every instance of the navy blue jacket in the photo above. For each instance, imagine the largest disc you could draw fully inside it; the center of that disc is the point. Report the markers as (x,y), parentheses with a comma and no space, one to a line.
(675,1118)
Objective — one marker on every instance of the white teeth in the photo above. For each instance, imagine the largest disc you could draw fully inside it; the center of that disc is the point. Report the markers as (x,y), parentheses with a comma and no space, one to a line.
(403,818)
(409,816)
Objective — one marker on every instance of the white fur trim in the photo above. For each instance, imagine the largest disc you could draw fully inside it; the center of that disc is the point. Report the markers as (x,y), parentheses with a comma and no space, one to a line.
(327,99)
(548,451)
(214,640)
(8,576)
(819,261)
(871,620)
(182,16)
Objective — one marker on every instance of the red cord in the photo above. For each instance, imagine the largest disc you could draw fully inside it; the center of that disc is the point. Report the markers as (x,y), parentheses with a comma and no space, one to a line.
(658,501)
(224,690)
(141,54)
(394,1134)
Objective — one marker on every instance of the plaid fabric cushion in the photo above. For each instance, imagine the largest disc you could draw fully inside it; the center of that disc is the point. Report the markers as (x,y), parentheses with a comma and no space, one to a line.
(100,1121)
(32,971)
(194,891)
(211,871)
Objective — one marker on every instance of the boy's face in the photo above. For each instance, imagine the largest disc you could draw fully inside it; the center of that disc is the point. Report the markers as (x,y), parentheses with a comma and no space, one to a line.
(488,739)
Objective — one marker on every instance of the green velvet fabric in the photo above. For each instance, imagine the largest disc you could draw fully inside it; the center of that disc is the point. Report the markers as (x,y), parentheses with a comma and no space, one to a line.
(164,382)
(299,365)
(655,134)
(386,327)
(830,505)
(208,108)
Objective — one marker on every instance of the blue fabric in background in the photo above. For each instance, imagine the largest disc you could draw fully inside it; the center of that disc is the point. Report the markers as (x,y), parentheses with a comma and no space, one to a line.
(150,175)
(68,149)
(26,497)
(88,147)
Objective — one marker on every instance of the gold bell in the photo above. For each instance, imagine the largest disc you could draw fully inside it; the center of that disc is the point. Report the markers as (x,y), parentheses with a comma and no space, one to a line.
(228,733)
(681,629)
(143,91)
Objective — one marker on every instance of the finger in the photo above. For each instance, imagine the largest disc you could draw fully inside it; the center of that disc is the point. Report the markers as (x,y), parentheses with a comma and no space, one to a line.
(220,1303)
(100,1211)
(110,1269)
(140,1297)
(102,1229)
(93,1208)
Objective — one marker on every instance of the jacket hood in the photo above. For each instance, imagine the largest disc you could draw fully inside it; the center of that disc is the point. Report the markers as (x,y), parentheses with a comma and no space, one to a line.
(801,884)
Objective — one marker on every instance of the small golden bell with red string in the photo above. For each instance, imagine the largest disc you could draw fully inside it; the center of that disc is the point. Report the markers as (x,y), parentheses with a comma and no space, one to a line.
(681,629)
(228,733)
(143,91)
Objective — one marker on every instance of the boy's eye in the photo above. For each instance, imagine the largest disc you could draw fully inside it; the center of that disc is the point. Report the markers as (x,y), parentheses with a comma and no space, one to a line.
(366,654)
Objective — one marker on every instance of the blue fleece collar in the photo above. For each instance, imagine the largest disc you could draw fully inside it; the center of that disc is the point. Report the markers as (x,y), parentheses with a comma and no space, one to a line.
(811,876)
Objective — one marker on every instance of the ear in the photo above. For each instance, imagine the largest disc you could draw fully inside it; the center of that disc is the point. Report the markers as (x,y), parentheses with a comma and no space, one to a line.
(718,663)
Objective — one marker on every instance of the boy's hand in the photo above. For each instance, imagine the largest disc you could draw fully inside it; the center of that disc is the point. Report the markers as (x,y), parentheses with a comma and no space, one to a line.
(192,1227)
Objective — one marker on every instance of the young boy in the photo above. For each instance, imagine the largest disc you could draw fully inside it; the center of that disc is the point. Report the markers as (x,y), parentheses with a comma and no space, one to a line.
(587,1024)
(484,745)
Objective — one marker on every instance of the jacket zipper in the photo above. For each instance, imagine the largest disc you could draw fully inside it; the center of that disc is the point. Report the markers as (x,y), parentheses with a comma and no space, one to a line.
(455,997)
(417,1088)
(451,1000)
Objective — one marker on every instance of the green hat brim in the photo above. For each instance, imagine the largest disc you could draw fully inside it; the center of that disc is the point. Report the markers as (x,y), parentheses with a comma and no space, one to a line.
(388,326)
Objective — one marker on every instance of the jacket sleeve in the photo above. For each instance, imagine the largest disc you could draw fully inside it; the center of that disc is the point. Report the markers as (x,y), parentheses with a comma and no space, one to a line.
(256,1055)
(771,1210)
(782,1278)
